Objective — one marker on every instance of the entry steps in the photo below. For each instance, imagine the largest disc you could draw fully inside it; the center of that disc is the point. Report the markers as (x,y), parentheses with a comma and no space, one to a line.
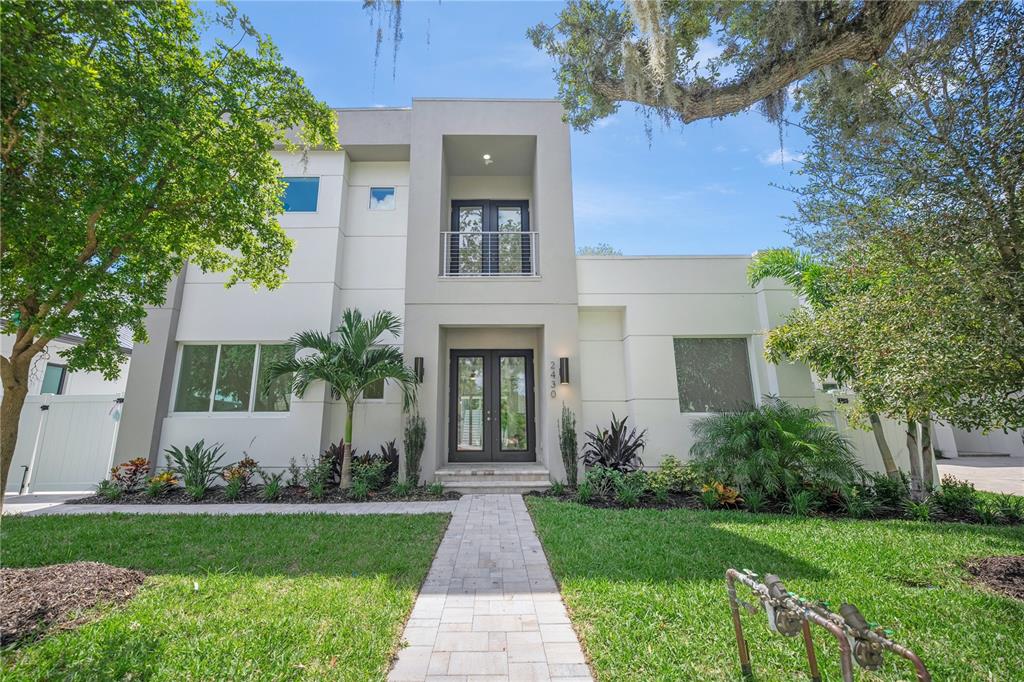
(486,477)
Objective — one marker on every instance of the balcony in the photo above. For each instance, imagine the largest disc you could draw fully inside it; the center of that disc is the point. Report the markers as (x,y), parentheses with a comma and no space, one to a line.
(489,254)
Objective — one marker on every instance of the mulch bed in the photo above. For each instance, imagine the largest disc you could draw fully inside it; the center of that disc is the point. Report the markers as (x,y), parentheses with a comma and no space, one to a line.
(288,495)
(32,600)
(1004,574)
(675,501)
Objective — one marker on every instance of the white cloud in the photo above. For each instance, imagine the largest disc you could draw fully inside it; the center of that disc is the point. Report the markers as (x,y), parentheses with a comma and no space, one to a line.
(606,121)
(719,148)
(780,157)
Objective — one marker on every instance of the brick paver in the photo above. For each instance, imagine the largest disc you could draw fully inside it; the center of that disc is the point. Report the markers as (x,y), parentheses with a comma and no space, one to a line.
(489,608)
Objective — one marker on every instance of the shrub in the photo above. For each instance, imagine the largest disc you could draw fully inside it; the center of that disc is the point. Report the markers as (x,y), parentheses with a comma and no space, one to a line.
(372,471)
(360,489)
(128,476)
(402,488)
(672,475)
(271,484)
(777,448)
(319,474)
(233,489)
(754,500)
(955,498)
(557,488)
(1010,507)
(109,490)
(584,492)
(161,484)
(986,511)
(659,491)
(436,489)
(567,445)
(197,466)
(917,511)
(630,487)
(603,481)
(242,472)
(859,502)
(724,495)
(615,447)
(709,497)
(890,493)
(294,474)
(802,503)
(414,438)
(389,453)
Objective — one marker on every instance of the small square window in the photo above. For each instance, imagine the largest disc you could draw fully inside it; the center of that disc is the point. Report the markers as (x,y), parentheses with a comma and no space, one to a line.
(300,194)
(54,378)
(382,198)
(374,391)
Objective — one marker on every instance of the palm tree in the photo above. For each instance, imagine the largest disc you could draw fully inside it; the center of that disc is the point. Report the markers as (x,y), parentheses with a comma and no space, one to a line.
(348,366)
(810,279)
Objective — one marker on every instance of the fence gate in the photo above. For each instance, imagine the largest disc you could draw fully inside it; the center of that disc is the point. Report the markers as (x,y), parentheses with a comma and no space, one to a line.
(65,442)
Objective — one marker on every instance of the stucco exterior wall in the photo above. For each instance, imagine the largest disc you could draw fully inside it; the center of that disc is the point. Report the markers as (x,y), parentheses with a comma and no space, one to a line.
(631,309)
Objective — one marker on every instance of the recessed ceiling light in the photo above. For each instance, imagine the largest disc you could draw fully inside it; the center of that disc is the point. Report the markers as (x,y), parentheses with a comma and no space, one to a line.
(487,157)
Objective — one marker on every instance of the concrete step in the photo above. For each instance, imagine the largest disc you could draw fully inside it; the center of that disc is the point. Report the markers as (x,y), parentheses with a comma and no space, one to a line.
(495,487)
(531,474)
(494,478)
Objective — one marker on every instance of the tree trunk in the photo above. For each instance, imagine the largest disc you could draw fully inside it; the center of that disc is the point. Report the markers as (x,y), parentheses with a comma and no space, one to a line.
(14,374)
(915,460)
(346,451)
(927,454)
(891,470)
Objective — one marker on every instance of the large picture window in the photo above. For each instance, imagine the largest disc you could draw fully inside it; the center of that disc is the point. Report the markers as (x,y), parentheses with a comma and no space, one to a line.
(713,375)
(231,377)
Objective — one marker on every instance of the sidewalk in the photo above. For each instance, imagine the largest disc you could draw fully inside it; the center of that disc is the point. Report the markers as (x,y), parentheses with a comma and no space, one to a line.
(490,608)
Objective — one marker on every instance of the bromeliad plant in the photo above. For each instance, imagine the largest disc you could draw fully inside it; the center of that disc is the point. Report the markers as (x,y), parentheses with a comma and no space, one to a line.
(615,447)
(348,366)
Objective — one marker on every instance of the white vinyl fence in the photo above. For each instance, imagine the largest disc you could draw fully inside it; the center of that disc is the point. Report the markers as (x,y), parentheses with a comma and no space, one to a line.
(65,442)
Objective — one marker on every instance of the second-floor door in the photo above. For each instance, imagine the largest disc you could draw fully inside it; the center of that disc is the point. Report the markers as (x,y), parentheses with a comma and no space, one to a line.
(490,237)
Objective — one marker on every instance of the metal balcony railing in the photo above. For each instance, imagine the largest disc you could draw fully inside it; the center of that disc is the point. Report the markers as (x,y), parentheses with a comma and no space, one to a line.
(489,254)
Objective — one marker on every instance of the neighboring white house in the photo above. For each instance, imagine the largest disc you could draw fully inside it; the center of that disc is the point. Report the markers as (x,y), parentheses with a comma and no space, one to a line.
(458,216)
(49,373)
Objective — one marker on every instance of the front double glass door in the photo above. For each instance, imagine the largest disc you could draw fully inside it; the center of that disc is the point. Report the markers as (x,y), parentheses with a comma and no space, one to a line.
(491,406)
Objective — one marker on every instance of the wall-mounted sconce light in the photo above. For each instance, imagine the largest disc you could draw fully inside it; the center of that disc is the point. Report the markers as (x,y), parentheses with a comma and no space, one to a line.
(563,370)
(417,368)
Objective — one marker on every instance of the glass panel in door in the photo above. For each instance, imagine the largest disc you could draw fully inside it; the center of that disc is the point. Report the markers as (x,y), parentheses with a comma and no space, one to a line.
(469,404)
(510,239)
(512,403)
(470,239)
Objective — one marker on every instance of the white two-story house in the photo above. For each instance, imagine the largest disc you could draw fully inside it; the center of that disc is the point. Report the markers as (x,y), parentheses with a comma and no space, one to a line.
(458,216)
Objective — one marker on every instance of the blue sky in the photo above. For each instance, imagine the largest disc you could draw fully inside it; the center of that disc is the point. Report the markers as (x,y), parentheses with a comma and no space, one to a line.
(705,188)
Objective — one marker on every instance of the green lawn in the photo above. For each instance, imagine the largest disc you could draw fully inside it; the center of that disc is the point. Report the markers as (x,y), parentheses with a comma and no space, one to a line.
(646,590)
(279,597)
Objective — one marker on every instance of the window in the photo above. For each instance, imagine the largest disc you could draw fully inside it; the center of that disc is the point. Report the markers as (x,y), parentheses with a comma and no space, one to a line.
(382,198)
(713,375)
(231,377)
(53,379)
(300,194)
(374,391)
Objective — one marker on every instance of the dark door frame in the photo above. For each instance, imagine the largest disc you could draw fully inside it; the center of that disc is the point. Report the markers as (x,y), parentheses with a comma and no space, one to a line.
(491,437)
(489,228)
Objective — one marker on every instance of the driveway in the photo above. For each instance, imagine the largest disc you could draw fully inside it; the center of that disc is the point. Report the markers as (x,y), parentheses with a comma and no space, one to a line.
(995,474)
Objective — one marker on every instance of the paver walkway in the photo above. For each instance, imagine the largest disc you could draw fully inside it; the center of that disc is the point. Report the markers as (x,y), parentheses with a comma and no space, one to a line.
(352,508)
(489,609)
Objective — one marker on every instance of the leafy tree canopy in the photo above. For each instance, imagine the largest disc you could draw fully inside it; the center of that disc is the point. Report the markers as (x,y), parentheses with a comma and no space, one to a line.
(656,53)
(600,249)
(128,149)
(914,178)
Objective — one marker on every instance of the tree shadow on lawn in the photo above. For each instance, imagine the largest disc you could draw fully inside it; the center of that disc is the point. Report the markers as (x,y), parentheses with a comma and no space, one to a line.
(399,546)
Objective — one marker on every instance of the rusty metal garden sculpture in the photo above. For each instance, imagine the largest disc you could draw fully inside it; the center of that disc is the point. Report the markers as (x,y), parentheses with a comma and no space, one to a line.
(790,615)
